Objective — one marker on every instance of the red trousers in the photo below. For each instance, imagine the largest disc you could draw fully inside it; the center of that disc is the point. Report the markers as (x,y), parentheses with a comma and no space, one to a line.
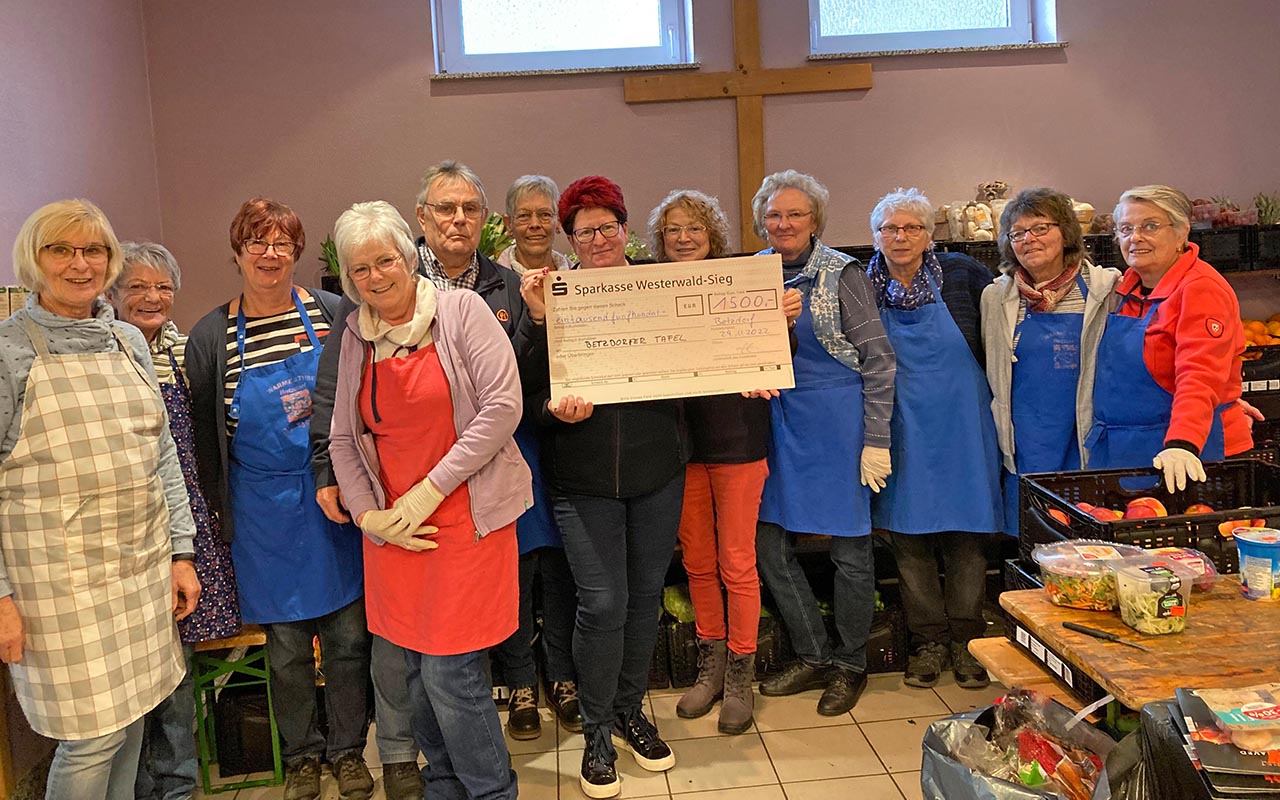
(718,540)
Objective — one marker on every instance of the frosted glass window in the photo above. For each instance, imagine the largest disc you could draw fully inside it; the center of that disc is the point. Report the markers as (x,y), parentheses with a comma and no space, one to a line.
(516,35)
(860,26)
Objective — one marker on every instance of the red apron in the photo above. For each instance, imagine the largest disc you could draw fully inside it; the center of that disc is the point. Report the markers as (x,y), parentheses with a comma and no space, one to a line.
(464,595)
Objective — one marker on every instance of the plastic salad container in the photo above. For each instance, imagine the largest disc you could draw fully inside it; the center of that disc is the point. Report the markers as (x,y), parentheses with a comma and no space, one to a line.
(1206,574)
(1259,562)
(1154,597)
(1078,573)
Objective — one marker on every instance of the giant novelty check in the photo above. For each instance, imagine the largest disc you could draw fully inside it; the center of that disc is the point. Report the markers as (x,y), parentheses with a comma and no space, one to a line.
(656,331)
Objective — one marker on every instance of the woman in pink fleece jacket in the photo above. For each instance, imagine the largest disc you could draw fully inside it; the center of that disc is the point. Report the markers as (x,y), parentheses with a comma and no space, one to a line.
(427,400)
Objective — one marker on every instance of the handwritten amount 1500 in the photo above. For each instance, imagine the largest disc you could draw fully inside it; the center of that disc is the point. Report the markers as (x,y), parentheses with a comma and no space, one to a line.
(755,300)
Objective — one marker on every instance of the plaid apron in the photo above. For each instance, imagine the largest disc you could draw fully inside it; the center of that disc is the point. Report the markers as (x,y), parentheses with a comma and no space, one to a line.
(86,541)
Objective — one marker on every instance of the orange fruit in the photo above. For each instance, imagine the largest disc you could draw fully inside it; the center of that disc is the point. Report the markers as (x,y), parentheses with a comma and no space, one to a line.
(1255,327)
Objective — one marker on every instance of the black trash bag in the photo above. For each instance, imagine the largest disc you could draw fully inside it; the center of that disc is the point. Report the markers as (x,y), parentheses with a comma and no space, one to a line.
(1171,774)
(967,738)
(1129,771)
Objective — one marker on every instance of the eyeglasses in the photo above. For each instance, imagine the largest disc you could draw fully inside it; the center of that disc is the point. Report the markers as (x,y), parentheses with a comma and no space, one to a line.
(525,217)
(674,231)
(1037,230)
(892,231)
(361,271)
(775,218)
(607,230)
(139,288)
(1126,231)
(62,252)
(256,247)
(449,210)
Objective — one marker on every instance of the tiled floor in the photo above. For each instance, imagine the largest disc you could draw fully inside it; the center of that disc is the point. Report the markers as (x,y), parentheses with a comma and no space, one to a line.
(791,753)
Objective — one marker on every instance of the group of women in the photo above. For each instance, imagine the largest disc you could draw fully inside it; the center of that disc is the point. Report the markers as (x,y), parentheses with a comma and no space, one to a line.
(402,519)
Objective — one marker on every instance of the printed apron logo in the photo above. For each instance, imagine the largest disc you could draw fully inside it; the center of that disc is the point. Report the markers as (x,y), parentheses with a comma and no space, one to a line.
(295,400)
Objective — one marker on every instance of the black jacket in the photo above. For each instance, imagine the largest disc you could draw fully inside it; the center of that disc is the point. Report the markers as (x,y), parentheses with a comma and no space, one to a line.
(206,366)
(500,288)
(963,280)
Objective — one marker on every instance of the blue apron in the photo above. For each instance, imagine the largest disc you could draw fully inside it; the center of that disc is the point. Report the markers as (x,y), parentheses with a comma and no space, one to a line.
(946,471)
(536,527)
(291,562)
(1131,412)
(1042,399)
(815,445)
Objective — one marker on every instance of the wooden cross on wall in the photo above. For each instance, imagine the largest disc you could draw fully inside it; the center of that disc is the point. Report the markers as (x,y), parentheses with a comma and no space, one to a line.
(747,85)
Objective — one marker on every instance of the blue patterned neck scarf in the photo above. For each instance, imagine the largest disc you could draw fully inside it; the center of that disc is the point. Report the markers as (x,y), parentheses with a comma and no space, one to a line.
(892,294)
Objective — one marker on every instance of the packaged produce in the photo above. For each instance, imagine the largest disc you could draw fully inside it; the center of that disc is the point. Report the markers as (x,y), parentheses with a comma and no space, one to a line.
(1259,550)
(1250,715)
(1199,563)
(1078,573)
(1154,597)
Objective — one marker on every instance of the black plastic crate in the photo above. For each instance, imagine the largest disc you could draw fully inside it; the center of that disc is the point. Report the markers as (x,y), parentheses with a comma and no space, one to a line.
(1261,370)
(1266,247)
(1226,249)
(243,730)
(887,644)
(659,669)
(1019,575)
(1084,688)
(773,648)
(1238,489)
(682,652)
(1102,251)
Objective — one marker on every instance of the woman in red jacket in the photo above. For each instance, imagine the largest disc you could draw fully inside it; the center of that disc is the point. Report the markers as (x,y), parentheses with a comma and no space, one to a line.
(1168,374)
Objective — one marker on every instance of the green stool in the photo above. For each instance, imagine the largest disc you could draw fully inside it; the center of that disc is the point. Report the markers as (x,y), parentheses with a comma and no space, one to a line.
(213,672)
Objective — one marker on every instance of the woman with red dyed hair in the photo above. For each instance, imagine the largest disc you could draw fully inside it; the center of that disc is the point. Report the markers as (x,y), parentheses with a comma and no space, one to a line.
(616,475)
(252,367)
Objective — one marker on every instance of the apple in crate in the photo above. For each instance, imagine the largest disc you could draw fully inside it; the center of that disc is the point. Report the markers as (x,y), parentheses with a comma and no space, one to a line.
(1145,507)
(1228,528)
(1060,516)
(1105,514)
(1199,508)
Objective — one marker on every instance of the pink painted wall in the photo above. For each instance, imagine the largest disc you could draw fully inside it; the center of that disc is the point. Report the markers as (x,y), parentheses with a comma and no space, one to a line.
(75,115)
(323,103)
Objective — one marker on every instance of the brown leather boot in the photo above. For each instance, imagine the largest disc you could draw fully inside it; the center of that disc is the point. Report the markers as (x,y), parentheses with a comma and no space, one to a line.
(739,698)
(704,693)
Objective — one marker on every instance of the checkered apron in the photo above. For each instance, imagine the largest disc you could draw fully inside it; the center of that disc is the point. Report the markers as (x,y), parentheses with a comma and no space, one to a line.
(86,540)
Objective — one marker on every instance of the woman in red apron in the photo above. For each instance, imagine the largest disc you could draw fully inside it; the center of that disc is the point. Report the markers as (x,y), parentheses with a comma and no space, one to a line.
(95,529)
(428,397)
(1169,362)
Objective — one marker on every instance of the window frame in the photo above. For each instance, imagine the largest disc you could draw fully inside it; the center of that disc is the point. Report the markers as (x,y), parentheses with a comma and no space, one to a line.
(1027,25)
(676,16)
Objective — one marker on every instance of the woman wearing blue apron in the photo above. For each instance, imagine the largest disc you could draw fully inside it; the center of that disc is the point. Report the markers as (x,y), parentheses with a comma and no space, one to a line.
(1169,362)
(830,428)
(944,492)
(1041,322)
(252,366)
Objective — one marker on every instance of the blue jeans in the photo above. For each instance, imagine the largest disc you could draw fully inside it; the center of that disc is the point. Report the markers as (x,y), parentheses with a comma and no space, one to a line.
(101,768)
(344,648)
(854,601)
(559,606)
(456,725)
(936,615)
(167,766)
(619,550)
(394,731)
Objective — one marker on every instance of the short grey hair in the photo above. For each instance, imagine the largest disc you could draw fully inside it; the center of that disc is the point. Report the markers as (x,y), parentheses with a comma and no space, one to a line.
(146,254)
(1168,199)
(790,179)
(526,185)
(911,201)
(51,222)
(702,207)
(450,170)
(374,221)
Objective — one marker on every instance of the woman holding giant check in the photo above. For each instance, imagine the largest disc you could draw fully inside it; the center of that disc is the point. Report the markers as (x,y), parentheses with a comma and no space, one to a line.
(616,474)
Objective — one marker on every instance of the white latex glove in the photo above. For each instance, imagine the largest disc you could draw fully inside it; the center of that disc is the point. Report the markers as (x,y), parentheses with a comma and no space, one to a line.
(1178,465)
(389,526)
(418,503)
(875,467)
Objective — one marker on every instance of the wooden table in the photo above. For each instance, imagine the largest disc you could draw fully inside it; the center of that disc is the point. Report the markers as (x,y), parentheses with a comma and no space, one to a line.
(1229,642)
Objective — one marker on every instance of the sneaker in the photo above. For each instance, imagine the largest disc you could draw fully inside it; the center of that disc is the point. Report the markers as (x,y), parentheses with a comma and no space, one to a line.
(842,692)
(354,780)
(522,714)
(402,781)
(599,777)
(634,732)
(302,779)
(563,699)
(926,666)
(797,677)
(969,673)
